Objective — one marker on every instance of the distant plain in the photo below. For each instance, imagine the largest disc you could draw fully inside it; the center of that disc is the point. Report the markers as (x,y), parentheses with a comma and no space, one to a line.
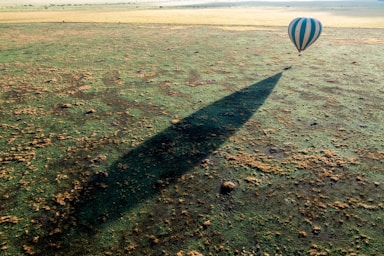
(332,13)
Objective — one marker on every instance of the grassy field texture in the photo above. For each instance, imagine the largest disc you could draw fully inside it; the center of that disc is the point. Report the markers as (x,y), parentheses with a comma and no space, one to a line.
(116,139)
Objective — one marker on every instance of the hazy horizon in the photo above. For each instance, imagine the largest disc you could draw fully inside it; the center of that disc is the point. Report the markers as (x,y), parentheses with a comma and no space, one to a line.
(159,1)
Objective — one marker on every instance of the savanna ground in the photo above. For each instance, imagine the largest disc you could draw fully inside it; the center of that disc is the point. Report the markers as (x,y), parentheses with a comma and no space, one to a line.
(116,140)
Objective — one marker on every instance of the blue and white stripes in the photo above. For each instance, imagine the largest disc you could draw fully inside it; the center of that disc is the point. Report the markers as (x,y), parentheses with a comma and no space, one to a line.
(304,31)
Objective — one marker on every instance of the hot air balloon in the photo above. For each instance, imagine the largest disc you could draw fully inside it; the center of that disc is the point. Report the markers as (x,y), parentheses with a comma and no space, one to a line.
(304,31)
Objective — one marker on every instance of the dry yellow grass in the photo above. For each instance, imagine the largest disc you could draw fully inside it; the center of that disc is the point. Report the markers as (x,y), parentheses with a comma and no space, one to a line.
(239,16)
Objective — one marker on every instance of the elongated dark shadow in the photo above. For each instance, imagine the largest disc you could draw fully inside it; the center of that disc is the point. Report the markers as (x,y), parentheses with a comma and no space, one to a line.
(169,154)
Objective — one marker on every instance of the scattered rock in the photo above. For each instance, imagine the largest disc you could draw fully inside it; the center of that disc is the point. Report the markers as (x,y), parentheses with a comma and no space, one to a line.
(99,159)
(227,187)
(194,253)
(334,179)
(207,223)
(66,105)
(154,239)
(303,234)
(91,111)
(175,121)
(316,230)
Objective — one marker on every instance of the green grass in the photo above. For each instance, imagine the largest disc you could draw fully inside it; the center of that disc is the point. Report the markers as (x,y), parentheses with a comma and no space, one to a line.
(115,139)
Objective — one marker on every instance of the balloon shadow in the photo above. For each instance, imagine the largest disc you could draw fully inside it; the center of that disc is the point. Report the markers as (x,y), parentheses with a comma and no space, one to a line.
(168,155)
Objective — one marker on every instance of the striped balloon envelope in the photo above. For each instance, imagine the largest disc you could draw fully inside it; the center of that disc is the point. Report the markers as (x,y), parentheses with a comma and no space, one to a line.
(304,31)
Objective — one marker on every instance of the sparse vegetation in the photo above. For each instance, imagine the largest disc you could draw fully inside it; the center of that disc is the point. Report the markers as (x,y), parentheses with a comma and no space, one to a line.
(116,139)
